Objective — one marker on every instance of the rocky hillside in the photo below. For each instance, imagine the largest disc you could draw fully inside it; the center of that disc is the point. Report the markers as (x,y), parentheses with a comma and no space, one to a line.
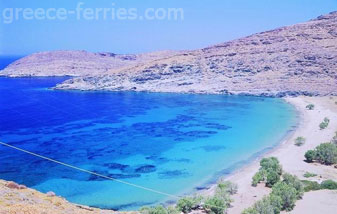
(292,60)
(15,198)
(76,63)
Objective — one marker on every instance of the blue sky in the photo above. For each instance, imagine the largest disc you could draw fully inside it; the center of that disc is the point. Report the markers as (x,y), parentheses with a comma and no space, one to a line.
(206,22)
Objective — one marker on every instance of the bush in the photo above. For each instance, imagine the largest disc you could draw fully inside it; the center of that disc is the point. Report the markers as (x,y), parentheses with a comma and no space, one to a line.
(329,184)
(283,197)
(270,171)
(187,204)
(309,175)
(268,204)
(287,193)
(293,181)
(153,210)
(310,107)
(299,141)
(310,185)
(228,187)
(215,205)
(172,210)
(310,156)
(258,177)
(271,164)
(324,124)
(326,153)
(272,178)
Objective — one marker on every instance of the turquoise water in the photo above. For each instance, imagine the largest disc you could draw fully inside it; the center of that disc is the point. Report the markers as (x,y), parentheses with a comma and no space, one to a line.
(174,143)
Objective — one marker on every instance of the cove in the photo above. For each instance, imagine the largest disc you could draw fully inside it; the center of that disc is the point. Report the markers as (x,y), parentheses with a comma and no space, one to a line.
(173,143)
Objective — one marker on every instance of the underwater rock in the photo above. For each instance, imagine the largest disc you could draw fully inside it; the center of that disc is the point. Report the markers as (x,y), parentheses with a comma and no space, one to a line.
(146,169)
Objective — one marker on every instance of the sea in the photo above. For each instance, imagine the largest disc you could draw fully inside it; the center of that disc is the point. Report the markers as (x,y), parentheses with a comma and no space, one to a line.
(156,145)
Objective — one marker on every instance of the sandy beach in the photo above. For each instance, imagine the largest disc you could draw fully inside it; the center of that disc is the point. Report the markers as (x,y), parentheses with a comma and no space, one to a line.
(292,158)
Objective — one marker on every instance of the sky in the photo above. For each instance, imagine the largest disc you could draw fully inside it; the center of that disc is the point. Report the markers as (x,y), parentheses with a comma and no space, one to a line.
(204,23)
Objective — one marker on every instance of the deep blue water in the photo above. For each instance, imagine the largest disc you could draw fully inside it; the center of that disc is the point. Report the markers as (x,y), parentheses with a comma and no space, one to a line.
(174,143)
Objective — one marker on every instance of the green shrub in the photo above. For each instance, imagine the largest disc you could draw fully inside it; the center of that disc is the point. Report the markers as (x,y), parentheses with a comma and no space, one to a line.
(272,178)
(258,177)
(270,171)
(310,156)
(326,153)
(172,210)
(187,204)
(215,205)
(309,175)
(153,210)
(287,193)
(267,205)
(283,197)
(324,124)
(310,107)
(271,164)
(293,181)
(310,185)
(299,141)
(329,184)
(228,187)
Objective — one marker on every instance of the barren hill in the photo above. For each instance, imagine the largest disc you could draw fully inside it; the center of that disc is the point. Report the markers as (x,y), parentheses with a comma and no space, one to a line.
(292,60)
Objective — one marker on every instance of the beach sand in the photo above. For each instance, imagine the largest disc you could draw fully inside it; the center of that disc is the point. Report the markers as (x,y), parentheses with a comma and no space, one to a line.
(292,158)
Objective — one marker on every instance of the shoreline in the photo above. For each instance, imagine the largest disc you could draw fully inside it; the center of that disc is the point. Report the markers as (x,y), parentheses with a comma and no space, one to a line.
(290,156)
(294,164)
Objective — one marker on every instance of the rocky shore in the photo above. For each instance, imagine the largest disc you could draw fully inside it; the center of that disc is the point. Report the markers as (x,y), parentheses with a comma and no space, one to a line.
(17,199)
(295,60)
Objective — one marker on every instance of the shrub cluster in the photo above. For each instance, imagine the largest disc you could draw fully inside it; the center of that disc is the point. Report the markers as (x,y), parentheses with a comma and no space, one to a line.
(216,204)
(325,153)
(159,210)
(283,197)
(324,124)
(309,175)
(187,204)
(270,172)
(313,185)
(299,141)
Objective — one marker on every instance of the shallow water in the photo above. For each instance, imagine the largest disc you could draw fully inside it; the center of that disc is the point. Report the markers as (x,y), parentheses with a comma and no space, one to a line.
(174,143)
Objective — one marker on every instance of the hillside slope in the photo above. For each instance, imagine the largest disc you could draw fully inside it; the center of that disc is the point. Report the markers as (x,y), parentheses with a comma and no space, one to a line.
(292,60)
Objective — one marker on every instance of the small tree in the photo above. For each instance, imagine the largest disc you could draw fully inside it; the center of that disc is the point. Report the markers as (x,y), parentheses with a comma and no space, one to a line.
(258,177)
(287,193)
(326,153)
(293,181)
(270,171)
(215,205)
(187,204)
(310,107)
(272,178)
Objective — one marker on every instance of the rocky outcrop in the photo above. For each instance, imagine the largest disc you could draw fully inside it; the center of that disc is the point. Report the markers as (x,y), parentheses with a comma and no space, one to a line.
(15,198)
(293,60)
